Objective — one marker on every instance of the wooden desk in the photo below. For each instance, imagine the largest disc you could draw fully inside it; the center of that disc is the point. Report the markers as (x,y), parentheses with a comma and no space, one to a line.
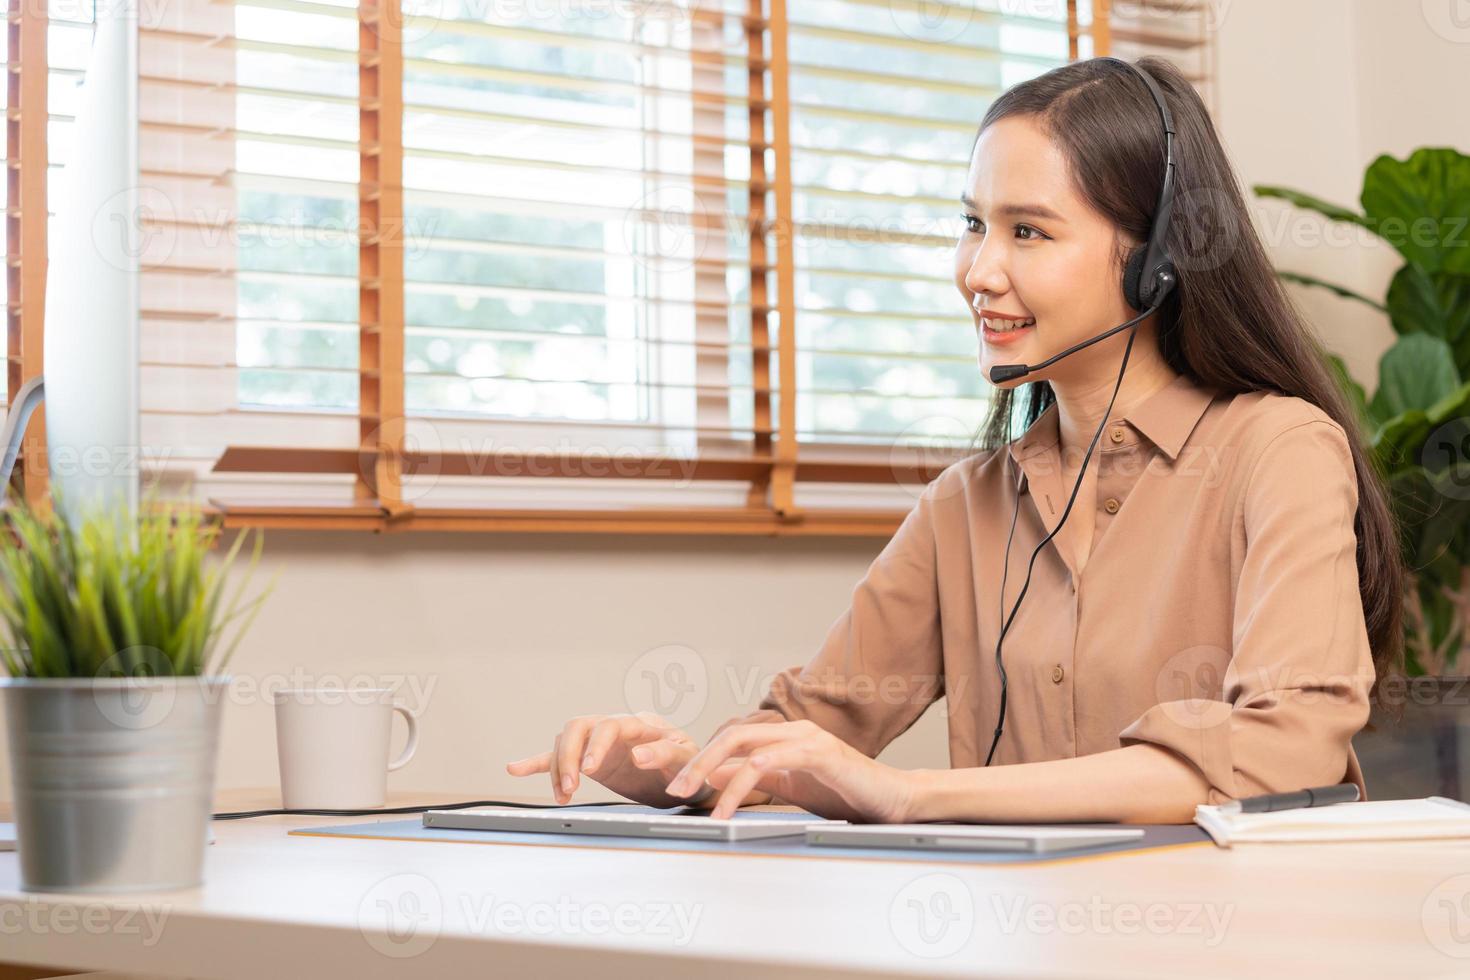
(279,906)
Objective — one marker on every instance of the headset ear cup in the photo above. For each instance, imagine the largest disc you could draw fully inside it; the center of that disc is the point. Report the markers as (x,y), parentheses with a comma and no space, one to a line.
(1133,278)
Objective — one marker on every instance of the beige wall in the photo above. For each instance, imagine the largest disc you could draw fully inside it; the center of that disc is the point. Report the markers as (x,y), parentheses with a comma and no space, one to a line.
(1311,92)
(508,635)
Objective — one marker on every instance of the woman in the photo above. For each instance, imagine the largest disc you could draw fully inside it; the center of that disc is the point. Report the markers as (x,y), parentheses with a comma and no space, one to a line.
(1221,641)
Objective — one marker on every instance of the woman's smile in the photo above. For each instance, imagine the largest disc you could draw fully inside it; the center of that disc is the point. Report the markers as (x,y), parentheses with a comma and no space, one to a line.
(999,328)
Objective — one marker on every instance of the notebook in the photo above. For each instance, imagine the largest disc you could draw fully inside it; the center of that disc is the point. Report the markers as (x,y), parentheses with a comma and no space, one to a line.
(1434,817)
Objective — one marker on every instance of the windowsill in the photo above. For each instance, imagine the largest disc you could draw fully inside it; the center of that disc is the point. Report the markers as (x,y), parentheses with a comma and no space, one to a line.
(313,515)
(835,495)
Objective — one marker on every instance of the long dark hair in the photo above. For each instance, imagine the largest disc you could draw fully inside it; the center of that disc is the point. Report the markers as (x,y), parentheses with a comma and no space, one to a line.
(1229,324)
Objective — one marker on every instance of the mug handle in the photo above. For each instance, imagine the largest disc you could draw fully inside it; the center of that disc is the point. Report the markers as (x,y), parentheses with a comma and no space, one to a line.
(410,716)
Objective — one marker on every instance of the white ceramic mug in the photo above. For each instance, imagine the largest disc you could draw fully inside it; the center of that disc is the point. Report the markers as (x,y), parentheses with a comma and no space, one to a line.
(332,744)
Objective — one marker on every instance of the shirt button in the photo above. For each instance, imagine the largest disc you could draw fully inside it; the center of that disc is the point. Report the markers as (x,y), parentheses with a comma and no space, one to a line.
(1111,505)
(1057,674)
(1117,434)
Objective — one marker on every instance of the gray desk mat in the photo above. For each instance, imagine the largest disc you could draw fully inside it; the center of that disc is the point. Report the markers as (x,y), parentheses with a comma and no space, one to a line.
(1155,836)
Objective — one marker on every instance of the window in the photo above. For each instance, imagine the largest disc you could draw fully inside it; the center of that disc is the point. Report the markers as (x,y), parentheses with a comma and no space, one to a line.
(486,266)
(885,101)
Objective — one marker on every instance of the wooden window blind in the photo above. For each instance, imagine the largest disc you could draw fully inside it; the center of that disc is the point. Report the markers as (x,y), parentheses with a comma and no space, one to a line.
(1183,31)
(249,139)
(26,219)
(646,267)
(885,101)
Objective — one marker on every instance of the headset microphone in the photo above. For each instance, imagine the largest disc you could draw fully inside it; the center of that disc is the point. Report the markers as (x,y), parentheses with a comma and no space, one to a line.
(1006,372)
(1148,277)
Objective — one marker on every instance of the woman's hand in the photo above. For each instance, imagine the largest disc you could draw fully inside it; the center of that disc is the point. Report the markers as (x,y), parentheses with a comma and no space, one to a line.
(632,755)
(802,764)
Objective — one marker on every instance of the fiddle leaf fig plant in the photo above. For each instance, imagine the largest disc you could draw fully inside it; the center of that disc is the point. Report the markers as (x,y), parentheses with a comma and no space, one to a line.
(1418,417)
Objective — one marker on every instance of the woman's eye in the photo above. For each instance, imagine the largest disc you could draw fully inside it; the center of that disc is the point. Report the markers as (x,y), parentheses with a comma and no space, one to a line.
(1034,233)
(972,222)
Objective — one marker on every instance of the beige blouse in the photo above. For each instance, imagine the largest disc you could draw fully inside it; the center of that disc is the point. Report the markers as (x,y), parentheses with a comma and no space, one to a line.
(1217,614)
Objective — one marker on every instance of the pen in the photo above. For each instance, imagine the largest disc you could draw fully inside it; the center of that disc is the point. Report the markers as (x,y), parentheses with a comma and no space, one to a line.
(1319,796)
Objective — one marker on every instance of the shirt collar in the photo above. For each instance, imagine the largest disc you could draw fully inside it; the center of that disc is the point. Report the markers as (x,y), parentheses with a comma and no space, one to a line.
(1165,418)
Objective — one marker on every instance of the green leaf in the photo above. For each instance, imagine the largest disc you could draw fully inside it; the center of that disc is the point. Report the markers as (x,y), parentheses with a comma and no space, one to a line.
(1416,372)
(1310,203)
(1436,303)
(1343,291)
(1421,206)
(1396,442)
(1452,406)
(1437,438)
(1432,509)
(46,646)
(95,633)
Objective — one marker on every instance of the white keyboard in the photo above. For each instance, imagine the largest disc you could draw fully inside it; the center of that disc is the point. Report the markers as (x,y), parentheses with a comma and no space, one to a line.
(688,826)
(651,819)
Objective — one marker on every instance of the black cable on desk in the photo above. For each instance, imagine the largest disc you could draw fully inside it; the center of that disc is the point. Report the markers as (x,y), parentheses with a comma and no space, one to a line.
(409,809)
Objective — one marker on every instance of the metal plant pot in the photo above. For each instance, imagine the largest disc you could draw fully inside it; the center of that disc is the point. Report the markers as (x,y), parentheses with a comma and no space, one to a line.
(113,780)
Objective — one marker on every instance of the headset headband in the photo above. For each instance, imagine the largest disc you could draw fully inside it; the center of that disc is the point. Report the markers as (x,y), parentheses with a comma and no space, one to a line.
(1157,271)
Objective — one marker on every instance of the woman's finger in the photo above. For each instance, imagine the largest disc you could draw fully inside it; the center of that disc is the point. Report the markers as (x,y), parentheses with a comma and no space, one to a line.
(530,765)
(657,754)
(735,780)
(801,754)
(571,746)
(804,754)
(630,730)
(735,740)
(555,769)
(602,737)
(724,772)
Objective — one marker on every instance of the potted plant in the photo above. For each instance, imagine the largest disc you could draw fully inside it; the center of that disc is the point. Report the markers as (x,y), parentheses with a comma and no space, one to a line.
(114,692)
(1418,418)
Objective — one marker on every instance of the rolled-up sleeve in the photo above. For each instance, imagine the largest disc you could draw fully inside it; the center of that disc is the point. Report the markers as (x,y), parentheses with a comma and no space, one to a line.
(881,663)
(1295,691)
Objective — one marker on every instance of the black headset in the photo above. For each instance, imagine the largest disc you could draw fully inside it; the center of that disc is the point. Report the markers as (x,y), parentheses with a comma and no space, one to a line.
(1148,277)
